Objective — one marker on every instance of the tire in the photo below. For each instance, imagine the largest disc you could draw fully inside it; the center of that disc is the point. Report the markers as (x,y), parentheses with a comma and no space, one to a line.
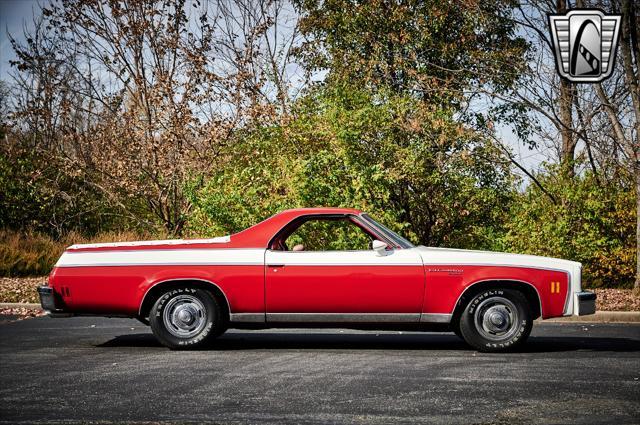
(456,330)
(496,320)
(186,318)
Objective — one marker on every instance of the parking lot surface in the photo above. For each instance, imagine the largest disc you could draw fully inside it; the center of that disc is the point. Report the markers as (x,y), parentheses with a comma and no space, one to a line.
(113,370)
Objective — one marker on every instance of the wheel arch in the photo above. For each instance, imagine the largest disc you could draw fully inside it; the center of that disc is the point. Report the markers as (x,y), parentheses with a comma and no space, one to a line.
(527,288)
(157,288)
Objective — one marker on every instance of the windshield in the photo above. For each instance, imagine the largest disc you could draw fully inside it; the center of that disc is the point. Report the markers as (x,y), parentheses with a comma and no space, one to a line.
(390,234)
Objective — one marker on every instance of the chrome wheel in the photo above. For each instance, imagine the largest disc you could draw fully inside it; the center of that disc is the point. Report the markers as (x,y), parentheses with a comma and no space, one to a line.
(496,319)
(184,316)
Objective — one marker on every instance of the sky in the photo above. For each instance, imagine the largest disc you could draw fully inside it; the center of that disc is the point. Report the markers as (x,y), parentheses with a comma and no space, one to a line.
(15,15)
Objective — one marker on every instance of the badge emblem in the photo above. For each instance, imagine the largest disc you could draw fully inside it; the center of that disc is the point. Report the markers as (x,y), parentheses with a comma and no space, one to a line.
(585,42)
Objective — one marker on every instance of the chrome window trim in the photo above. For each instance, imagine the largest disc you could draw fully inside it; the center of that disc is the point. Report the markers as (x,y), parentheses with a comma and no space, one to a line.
(353,218)
(398,240)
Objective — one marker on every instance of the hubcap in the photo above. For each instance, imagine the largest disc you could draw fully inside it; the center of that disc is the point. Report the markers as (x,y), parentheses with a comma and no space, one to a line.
(184,316)
(496,318)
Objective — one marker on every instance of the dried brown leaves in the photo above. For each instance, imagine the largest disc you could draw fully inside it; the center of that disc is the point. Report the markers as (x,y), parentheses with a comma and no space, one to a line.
(616,300)
(20,289)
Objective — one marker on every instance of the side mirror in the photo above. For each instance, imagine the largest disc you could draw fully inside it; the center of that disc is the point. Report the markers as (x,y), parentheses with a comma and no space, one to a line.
(379,247)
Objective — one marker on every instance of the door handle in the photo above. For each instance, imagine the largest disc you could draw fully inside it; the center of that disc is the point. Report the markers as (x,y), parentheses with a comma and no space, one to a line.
(275,265)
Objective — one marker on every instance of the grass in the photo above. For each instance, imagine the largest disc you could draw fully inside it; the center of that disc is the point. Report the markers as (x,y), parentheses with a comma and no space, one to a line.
(34,254)
(28,254)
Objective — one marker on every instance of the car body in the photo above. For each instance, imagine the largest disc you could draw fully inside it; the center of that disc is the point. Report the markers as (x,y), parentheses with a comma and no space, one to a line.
(255,279)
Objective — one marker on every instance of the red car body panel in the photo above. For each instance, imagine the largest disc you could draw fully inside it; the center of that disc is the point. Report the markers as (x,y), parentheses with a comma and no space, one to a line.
(120,290)
(345,289)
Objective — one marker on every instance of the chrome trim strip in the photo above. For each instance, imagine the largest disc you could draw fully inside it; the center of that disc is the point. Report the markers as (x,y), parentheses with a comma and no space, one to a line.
(168,242)
(178,248)
(247,317)
(344,317)
(435,318)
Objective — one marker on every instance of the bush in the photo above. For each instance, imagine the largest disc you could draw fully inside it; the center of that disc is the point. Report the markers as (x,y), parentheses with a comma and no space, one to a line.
(39,193)
(35,254)
(408,164)
(27,254)
(591,222)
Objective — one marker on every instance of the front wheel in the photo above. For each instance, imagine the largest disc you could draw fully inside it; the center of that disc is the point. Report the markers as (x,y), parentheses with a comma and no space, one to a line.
(186,318)
(496,320)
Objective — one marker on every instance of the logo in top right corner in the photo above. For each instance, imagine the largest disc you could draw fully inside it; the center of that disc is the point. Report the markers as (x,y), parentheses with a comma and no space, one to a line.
(585,42)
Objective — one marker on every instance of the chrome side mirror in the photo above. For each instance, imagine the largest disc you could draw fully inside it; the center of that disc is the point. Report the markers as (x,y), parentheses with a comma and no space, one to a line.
(380,248)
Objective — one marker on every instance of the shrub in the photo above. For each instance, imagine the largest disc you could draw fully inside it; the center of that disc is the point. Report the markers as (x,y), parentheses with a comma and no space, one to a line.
(35,254)
(409,164)
(591,222)
(27,254)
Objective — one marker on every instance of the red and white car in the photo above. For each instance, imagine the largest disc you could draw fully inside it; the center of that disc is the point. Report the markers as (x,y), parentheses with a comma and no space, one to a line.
(319,267)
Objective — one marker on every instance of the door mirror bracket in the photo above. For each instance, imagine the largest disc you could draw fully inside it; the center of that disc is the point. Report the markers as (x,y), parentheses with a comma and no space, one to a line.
(380,248)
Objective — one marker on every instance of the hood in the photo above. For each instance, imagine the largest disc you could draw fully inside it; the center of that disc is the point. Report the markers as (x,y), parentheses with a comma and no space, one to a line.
(471,257)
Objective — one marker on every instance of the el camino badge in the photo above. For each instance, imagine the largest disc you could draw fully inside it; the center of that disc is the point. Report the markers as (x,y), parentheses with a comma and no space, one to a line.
(453,272)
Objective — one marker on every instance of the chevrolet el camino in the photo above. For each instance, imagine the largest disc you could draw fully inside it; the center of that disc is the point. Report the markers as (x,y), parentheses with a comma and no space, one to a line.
(319,267)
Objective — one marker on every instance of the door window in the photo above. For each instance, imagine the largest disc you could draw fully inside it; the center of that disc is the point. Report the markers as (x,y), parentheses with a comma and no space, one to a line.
(331,234)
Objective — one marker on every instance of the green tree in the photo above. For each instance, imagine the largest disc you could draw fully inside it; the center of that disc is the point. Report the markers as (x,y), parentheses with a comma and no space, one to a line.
(432,50)
(406,163)
(594,224)
(35,195)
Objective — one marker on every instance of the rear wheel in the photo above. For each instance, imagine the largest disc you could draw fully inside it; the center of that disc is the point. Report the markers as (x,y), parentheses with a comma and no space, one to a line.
(186,318)
(456,330)
(496,320)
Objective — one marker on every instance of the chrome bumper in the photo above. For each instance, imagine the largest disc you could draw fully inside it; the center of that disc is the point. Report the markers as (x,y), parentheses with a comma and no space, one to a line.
(585,302)
(51,303)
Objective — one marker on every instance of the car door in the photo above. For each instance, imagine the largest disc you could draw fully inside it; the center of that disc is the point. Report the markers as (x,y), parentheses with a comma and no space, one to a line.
(337,277)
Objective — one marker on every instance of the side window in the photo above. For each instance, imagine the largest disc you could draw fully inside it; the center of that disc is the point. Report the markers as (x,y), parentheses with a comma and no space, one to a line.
(328,235)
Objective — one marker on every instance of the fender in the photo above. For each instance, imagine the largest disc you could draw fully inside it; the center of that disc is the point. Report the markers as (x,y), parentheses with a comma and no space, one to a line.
(446,284)
(473,285)
(181,279)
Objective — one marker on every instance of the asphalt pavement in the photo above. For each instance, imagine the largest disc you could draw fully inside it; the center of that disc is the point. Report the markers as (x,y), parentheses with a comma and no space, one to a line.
(98,370)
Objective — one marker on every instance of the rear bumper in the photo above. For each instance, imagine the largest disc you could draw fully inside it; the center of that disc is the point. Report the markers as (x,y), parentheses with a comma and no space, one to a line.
(51,303)
(585,303)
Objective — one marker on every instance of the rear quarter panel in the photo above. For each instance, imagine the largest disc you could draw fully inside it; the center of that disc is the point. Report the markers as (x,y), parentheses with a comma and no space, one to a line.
(119,290)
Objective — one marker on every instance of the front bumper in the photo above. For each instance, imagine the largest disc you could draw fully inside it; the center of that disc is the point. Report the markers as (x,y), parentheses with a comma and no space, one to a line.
(585,303)
(51,302)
